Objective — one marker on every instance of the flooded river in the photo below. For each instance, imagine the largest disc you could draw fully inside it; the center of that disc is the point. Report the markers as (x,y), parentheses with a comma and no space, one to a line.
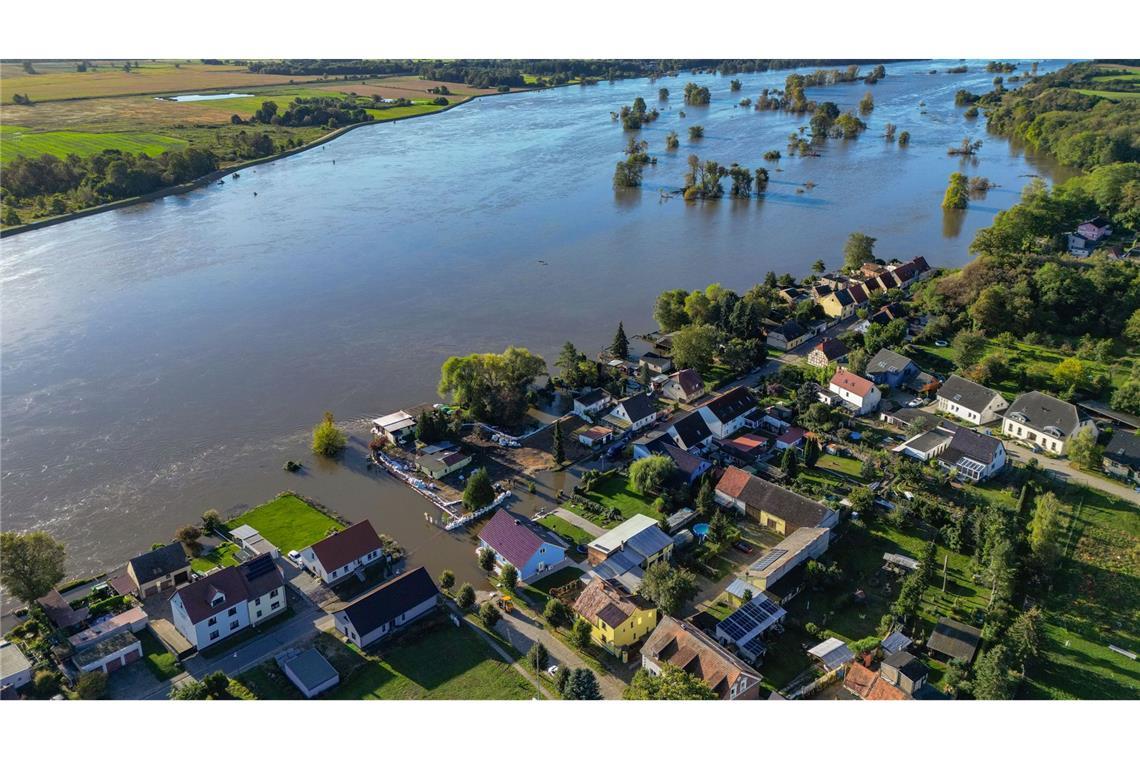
(167,358)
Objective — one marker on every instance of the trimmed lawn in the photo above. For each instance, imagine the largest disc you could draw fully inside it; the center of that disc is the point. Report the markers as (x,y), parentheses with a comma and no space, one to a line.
(287,522)
(220,556)
(161,662)
(539,593)
(447,663)
(845,465)
(572,533)
(1094,603)
(615,492)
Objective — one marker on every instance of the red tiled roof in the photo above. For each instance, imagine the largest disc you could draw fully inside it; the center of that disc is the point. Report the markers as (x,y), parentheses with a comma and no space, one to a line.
(349,544)
(512,538)
(733,481)
(867,684)
(689,380)
(791,435)
(849,381)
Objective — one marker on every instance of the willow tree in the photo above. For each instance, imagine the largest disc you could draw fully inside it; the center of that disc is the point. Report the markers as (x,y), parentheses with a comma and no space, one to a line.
(492,387)
(957,192)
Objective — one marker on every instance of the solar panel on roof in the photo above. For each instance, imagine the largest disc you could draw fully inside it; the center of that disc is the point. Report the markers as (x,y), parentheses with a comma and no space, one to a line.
(764,562)
(756,647)
(760,612)
(259,566)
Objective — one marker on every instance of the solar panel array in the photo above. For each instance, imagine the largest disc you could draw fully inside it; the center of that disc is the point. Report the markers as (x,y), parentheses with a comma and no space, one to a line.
(759,613)
(755,648)
(764,562)
(259,566)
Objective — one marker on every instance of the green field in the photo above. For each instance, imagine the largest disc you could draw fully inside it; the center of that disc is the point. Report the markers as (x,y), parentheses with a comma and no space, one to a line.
(446,663)
(846,465)
(287,522)
(1095,602)
(18,142)
(1112,95)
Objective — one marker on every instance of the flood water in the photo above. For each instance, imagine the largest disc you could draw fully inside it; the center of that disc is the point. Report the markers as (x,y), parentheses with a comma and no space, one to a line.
(167,358)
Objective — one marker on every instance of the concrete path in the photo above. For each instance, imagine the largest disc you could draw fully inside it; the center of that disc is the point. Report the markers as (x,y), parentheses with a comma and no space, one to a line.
(578,521)
(522,631)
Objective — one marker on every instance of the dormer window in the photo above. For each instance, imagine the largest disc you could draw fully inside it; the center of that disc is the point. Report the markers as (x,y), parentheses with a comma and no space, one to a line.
(1018,417)
(217,598)
(1054,431)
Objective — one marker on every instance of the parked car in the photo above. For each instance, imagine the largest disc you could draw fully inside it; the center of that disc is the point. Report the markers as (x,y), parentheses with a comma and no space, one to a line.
(742,546)
(295,556)
(552,671)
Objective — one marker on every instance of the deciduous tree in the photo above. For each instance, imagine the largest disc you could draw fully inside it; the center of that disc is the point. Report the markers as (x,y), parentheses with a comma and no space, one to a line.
(30,564)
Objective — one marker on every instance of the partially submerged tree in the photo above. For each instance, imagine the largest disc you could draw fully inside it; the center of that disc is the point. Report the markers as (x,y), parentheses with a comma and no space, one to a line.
(30,564)
(328,439)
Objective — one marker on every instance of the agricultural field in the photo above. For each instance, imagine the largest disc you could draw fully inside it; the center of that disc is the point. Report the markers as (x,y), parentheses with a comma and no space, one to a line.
(59,80)
(16,141)
(287,522)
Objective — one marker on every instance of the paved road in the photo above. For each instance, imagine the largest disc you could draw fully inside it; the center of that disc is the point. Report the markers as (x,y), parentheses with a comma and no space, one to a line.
(1063,471)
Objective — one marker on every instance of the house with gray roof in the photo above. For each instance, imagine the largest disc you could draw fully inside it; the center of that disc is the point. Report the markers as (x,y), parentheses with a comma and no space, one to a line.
(633,413)
(159,569)
(1122,455)
(690,432)
(970,401)
(1044,421)
(628,549)
(890,368)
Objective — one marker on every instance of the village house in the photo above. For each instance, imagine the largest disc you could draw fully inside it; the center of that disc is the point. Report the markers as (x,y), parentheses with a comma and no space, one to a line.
(440,460)
(229,600)
(858,394)
(595,435)
(728,412)
(803,544)
(685,386)
(625,552)
(972,455)
(1122,455)
(388,608)
(901,676)
(343,553)
(159,570)
(745,448)
(519,542)
(618,618)
(787,336)
(776,508)
(591,402)
(1096,228)
(827,351)
(656,363)
(890,368)
(838,304)
(969,401)
(395,428)
(690,432)
(792,438)
(682,645)
(633,413)
(133,620)
(831,654)
(1044,421)
(793,296)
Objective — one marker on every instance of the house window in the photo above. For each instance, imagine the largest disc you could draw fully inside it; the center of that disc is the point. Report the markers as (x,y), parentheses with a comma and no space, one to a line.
(234,625)
(232,612)
(273,593)
(212,621)
(214,635)
(259,613)
(332,574)
(275,605)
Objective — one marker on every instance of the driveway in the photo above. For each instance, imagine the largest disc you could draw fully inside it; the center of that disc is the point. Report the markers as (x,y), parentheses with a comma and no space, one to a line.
(522,631)
(1063,471)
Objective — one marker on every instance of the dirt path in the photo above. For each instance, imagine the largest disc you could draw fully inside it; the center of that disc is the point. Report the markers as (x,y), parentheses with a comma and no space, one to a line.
(578,521)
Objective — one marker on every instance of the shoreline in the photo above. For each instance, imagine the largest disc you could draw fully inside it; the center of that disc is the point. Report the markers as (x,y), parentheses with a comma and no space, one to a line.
(218,174)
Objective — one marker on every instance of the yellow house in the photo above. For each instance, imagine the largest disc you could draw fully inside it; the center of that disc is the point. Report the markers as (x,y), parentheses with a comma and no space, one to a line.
(617,619)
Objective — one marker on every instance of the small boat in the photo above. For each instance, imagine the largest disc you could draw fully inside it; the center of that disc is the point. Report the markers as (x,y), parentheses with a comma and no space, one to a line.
(221,182)
(236,176)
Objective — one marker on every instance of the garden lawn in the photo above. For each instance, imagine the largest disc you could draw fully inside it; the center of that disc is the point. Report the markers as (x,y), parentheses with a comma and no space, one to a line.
(846,465)
(161,662)
(222,555)
(287,522)
(1095,602)
(572,533)
(615,492)
(539,593)
(447,663)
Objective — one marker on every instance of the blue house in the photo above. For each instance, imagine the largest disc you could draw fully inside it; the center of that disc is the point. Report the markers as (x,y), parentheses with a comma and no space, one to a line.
(517,541)
(891,369)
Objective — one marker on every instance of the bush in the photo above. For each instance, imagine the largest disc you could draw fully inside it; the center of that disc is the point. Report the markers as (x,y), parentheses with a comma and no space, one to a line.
(45,684)
(113,605)
(580,634)
(556,613)
(466,597)
(489,614)
(91,685)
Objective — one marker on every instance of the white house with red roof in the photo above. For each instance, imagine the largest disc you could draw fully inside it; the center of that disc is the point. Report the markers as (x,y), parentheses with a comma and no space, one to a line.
(229,600)
(518,541)
(340,555)
(857,393)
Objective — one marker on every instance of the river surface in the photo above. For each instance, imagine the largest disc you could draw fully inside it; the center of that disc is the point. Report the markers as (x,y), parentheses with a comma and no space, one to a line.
(167,358)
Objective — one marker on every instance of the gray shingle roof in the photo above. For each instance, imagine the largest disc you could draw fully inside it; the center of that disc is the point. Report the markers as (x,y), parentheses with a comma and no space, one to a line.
(691,429)
(731,405)
(638,407)
(1124,448)
(159,562)
(1039,411)
(387,602)
(967,443)
(966,393)
(887,361)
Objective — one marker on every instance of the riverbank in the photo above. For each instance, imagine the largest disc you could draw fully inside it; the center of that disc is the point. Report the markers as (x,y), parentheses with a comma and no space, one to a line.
(222,173)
